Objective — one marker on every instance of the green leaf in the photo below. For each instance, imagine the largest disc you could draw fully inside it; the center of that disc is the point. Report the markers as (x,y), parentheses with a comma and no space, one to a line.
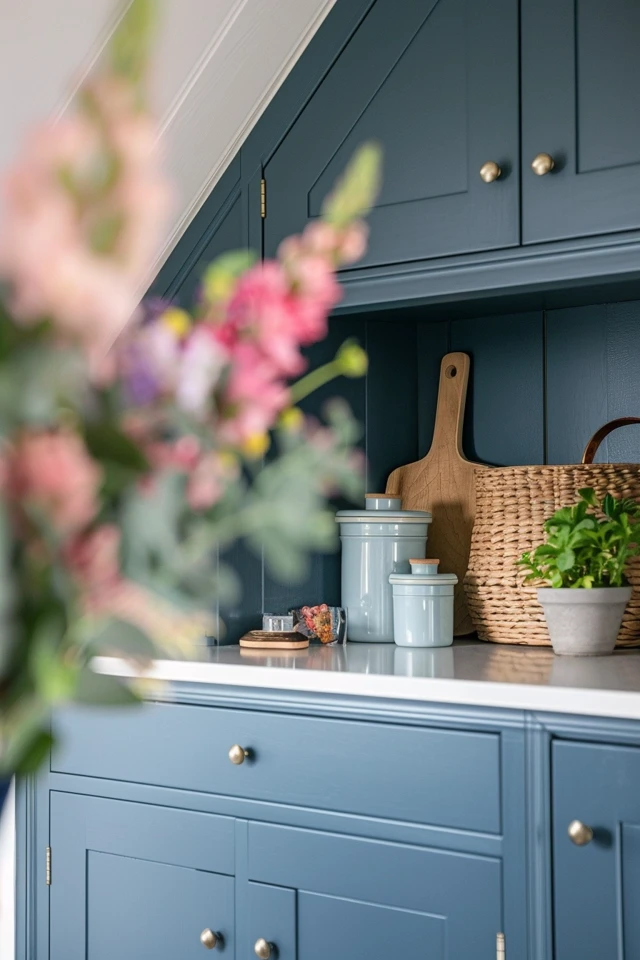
(566,560)
(54,675)
(106,231)
(121,637)
(106,443)
(98,689)
(220,277)
(609,506)
(357,190)
(31,751)
(129,48)
(588,494)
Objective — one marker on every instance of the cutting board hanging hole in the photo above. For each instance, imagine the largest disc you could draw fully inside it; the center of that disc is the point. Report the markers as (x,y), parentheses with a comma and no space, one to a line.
(451,372)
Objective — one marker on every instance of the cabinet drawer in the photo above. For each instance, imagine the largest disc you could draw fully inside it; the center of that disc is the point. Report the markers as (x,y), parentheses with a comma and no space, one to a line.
(371,769)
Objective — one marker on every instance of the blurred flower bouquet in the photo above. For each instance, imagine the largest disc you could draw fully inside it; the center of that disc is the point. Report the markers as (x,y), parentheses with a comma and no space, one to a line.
(130,455)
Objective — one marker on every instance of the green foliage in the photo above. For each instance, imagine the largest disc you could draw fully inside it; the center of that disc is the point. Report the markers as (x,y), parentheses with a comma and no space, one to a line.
(107,444)
(357,189)
(129,48)
(220,276)
(588,545)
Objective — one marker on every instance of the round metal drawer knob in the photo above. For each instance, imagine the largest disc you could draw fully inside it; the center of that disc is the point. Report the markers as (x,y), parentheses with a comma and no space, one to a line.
(579,833)
(490,171)
(210,940)
(238,754)
(263,949)
(542,164)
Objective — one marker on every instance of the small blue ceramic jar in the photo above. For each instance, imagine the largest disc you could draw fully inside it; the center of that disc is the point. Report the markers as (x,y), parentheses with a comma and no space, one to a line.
(377,541)
(423,605)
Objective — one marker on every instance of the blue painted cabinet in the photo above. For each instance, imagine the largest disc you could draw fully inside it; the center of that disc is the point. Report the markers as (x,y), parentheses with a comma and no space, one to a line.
(596,881)
(435,82)
(293,855)
(138,881)
(353,898)
(580,88)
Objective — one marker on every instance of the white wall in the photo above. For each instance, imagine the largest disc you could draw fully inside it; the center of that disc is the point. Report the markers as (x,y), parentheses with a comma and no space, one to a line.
(219,64)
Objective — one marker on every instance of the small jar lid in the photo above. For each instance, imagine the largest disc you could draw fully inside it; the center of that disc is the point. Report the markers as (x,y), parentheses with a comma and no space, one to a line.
(382,501)
(383,508)
(424,572)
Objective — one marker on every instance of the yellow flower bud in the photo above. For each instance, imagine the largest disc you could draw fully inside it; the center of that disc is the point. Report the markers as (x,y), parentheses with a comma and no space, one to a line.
(177,320)
(352,360)
(228,461)
(256,445)
(218,286)
(292,419)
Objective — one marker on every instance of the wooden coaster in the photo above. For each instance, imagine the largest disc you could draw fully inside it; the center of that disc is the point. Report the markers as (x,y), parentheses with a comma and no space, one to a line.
(268,640)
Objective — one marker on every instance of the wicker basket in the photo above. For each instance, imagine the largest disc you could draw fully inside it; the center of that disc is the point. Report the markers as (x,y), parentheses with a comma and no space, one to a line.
(512,504)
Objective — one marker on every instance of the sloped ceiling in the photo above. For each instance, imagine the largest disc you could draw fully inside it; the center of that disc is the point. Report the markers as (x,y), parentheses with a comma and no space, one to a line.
(219,64)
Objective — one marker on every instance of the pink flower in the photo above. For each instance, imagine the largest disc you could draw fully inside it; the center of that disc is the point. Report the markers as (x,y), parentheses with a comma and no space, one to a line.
(77,241)
(319,238)
(255,395)
(210,478)
(262,309)
(352,244)
(92,558)
(52,472)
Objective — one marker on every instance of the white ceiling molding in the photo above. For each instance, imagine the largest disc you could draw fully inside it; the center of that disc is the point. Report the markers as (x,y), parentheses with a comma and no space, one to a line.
(219,64)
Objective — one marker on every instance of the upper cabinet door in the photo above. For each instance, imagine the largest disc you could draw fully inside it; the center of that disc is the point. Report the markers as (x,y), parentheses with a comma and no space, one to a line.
(435,82)
(580,96)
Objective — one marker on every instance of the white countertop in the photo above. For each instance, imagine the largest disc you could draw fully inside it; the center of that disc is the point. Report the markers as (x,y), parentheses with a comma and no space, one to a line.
(470,672)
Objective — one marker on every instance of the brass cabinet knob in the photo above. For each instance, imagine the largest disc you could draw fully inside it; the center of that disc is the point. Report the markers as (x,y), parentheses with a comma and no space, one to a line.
(490,171)
(542,164)
(263,949)
(210,940)
(238,754)
(579,833)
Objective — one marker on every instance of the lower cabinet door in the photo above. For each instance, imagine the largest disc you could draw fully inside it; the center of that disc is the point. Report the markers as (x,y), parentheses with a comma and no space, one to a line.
(132,881)
(315,895)
(596,851)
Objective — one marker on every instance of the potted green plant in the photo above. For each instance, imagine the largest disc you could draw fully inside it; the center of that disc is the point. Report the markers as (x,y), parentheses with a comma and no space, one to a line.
(582,566)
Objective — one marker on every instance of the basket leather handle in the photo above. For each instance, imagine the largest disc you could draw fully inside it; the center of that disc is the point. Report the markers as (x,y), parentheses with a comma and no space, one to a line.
(592,447)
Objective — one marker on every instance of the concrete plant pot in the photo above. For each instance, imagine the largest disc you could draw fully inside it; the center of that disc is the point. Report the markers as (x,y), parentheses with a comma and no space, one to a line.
(584,623)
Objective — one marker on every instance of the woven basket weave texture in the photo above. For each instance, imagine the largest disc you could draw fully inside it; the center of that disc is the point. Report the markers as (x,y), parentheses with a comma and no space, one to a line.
(512,504)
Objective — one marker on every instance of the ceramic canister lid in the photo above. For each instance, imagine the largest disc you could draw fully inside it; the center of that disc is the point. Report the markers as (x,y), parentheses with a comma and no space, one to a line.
(424,572)
(383,508)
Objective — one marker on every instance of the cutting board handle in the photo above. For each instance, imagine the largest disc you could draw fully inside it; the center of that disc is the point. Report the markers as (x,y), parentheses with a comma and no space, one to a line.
(452,396)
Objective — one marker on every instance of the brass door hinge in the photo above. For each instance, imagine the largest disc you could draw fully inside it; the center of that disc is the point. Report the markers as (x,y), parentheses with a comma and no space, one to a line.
(263,198)
(501,951)
(48,867)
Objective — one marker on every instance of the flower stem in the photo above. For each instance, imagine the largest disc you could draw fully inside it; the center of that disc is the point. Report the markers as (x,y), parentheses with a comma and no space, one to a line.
(314,380)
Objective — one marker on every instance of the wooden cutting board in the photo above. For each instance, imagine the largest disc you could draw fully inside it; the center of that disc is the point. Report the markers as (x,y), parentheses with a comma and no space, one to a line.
(443,482)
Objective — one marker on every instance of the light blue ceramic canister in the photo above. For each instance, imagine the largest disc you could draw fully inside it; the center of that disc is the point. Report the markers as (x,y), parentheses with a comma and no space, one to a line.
(377,541)
(423,605)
